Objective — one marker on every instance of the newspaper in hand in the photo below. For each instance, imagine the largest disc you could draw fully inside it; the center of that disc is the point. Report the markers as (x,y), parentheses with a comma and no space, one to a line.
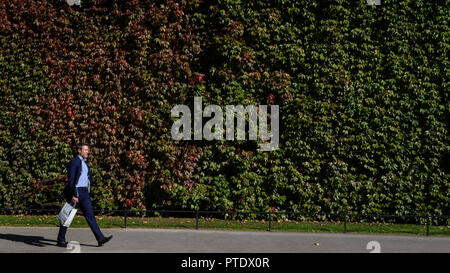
(66,214)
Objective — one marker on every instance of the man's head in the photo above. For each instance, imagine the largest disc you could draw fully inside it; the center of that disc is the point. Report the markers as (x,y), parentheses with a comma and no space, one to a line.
(83,150)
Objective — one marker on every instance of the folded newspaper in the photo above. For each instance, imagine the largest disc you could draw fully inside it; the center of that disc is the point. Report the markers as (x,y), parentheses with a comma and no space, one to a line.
(67,214)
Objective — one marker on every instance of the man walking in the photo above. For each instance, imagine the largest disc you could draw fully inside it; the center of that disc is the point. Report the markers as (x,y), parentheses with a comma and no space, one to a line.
(77,191)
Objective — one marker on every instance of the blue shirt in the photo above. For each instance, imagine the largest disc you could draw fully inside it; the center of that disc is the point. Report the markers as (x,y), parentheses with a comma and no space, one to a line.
(83,180)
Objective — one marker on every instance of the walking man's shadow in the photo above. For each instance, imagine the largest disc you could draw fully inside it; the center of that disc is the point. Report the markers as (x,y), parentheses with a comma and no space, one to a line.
(39,241)
(30,240)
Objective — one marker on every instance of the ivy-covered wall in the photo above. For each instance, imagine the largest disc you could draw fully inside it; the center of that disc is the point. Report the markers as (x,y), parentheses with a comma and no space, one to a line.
(363,94)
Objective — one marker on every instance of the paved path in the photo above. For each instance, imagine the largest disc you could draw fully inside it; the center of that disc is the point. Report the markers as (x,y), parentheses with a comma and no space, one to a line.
(26,239)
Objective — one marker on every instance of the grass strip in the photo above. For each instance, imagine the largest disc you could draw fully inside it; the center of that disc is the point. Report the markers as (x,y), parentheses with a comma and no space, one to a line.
(220,224)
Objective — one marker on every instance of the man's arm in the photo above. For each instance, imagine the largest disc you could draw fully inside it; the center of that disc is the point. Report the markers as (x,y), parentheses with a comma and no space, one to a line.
(72,173)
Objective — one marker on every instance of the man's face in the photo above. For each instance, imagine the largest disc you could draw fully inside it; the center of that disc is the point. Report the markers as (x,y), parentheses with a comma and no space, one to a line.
(84,152)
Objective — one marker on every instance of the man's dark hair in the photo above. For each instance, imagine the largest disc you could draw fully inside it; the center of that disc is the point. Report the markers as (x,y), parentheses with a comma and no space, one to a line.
(80,145)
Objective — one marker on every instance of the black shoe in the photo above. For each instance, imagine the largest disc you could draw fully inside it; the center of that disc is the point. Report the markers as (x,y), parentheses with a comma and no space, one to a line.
(62,244)
(104,240)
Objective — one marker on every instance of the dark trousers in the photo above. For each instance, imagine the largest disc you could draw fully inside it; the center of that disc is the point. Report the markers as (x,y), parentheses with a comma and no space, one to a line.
(84,202)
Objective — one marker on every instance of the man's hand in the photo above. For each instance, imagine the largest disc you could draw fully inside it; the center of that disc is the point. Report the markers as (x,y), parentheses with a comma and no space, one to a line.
(75,200)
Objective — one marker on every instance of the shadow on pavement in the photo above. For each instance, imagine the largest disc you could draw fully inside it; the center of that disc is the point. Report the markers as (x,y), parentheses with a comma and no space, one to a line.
(39,241)
(30,240)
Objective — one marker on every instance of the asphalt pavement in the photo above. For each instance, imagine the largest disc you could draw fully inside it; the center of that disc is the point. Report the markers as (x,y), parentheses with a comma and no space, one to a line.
(131,240)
